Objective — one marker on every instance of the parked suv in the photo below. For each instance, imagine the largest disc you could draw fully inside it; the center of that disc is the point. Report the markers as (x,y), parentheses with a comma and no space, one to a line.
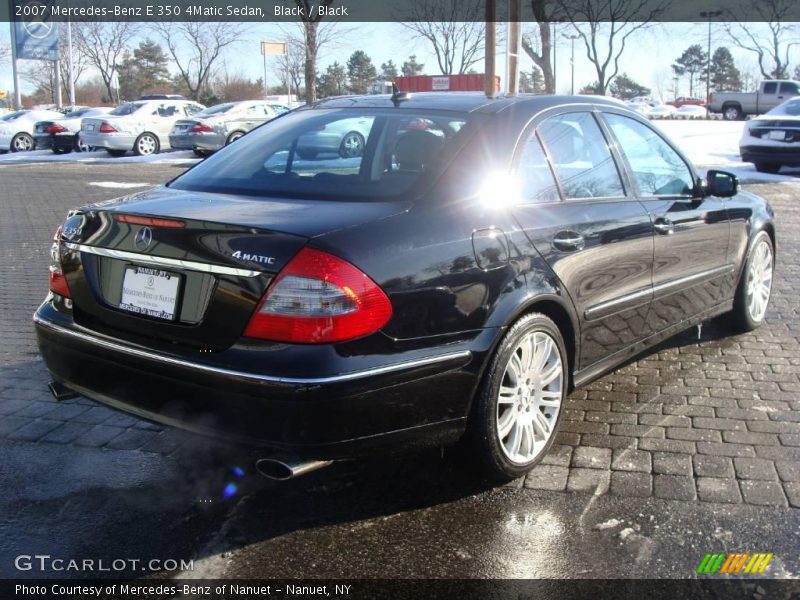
(141,126)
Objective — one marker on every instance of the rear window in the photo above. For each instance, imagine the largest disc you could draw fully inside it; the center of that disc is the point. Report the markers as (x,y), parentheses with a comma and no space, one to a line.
(126,109)
(216,110)
(337,154)
(791,108)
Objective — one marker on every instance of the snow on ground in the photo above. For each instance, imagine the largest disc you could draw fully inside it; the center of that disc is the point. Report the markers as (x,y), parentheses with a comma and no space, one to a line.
(708,144)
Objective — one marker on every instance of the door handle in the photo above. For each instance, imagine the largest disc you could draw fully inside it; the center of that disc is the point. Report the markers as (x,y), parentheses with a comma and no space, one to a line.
(568,241)
(664,226)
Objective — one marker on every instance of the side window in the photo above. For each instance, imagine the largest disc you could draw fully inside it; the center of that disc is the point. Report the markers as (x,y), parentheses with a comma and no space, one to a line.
(789,88)
(538,184)
(580,156)
(657,168)
(167,110)
(192,109)
(770,88)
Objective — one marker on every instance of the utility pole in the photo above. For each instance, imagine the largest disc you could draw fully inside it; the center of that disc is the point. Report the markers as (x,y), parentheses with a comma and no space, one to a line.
(572,39)
(555,62)
(14,69)
(491,49)
(70,65)
(512,52)
(709,14)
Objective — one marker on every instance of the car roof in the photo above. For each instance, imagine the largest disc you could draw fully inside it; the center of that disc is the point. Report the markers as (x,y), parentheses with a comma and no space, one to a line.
(460,101)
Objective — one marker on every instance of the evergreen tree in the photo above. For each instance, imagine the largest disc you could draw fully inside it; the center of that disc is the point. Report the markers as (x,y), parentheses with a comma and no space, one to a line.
(389,71)
(144,70)
(725,77)
(412,67)
(625,88)
(361,72)
(592,89)
(691,63)
(531,82)
(333,82)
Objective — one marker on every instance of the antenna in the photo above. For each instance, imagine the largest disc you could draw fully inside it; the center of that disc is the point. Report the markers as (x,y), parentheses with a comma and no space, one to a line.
(398,96)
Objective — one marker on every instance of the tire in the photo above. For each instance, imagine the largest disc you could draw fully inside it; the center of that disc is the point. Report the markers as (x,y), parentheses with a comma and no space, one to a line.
(768,167)
(732,112)
(22,142)
(81,146)
(352,145)
(146,144)
(493,424)
(116,152)
(759,266)
(233,137)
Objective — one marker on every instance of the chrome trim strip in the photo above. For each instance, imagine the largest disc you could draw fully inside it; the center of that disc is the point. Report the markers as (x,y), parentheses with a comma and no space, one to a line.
(162,261)
(662,289)
(111,345)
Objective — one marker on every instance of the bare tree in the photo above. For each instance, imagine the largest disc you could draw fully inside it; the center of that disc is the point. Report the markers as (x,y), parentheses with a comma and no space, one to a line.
(454,28)
(292,65)
(605,26)
(42,73)
(103,44)
(770,39)
(196,47)
(538,44)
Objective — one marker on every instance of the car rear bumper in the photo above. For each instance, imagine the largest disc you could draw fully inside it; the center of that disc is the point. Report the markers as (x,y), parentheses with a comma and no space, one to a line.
(109,141)
(43,141)
(181,142)
(771,154)
(415,398)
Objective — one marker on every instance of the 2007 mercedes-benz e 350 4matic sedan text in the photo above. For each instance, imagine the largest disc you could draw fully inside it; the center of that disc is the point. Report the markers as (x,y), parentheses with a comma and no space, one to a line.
(451,281)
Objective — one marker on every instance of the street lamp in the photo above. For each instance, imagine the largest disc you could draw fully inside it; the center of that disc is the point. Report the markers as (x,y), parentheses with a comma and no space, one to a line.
(709,14)
(572,39)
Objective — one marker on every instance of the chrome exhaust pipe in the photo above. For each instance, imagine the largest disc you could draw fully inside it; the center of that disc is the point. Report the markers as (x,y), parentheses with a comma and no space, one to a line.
(285,469)
(60,391)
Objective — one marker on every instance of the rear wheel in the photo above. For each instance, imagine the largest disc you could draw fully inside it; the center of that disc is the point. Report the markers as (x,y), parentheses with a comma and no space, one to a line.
(22,142)
(517,411)
(146,144)
(732,113)
(768,167)
(233,137)
(755,284)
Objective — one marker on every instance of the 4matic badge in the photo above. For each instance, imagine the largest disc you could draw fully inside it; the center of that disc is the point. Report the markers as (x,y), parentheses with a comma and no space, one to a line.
(259,258)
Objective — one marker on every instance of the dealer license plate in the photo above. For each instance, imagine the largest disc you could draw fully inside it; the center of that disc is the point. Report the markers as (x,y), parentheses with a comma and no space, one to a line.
(777,135)
(150,292)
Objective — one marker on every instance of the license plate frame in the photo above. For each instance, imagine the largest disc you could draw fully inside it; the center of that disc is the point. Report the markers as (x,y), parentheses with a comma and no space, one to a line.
(151,292)
(779,135)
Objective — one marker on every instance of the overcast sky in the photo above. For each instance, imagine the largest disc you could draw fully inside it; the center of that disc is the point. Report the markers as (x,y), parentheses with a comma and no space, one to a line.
(647,59)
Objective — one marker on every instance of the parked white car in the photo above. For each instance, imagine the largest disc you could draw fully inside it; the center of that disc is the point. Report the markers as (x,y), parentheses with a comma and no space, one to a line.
(656,110)
(690,111)
(142,126)
(16,129)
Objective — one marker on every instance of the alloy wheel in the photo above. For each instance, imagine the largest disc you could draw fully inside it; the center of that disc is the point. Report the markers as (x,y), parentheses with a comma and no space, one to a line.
(530,397)
(352,145)
(759,281)
(146,144)
(22,143)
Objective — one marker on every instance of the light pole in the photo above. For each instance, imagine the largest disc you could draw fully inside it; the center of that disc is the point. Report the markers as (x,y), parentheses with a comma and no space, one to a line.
(555,44)
(709,14)
(572,39)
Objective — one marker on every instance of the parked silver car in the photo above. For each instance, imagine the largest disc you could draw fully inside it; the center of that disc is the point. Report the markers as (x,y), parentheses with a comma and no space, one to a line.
(63,135)
(217,126)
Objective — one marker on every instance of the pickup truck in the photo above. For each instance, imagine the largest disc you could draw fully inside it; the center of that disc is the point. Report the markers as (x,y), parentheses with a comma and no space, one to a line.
(735,106)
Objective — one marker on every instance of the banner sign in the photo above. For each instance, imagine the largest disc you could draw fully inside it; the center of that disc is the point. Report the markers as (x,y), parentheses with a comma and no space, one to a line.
(36,36)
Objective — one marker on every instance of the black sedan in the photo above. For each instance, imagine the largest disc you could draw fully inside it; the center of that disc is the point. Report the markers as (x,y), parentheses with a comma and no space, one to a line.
(451,282)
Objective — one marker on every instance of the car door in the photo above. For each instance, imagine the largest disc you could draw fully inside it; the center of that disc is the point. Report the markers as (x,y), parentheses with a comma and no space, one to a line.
(166,115)
(595,235)
(691,271)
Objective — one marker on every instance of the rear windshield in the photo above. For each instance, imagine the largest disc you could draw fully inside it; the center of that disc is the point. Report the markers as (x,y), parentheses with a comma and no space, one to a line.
(216,110)
(791,108)
(126,109)
(334,154)
(77,113)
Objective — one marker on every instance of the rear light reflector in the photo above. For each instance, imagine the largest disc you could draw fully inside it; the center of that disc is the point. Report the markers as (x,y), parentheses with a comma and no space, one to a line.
(201,128)
(150,221)
(106,128)
(58,283)
(319,298)
(54,128)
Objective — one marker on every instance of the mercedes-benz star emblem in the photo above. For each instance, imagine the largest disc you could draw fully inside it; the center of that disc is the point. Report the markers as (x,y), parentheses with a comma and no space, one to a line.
(143,239)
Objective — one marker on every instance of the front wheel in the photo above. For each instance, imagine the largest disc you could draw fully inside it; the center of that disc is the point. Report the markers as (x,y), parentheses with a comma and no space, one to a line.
(352,145)
(146,144)
(516,414)
(755,284)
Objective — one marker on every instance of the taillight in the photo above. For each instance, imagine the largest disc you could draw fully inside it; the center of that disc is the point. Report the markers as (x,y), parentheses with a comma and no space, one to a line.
(106,128)
(201,128)
(54,128)
(58,283)
(319,298)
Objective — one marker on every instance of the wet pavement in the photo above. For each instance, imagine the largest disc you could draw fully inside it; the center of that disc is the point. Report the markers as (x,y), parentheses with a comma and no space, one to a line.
(692,448)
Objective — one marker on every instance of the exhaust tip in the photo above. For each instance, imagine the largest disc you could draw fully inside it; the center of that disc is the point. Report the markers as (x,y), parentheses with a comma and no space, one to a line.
(274,469)
(60,391)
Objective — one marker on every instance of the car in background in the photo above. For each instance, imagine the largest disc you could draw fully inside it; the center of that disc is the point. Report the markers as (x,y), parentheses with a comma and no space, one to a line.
(735,106)
(686,101)
(63,135)
(217,126)
(142,126)
(772,140)
(691,111)
(344,137)
(454,281)
(16,129)
(657,110)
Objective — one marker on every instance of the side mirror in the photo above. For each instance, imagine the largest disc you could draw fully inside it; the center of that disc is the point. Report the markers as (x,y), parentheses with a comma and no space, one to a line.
(722,184)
